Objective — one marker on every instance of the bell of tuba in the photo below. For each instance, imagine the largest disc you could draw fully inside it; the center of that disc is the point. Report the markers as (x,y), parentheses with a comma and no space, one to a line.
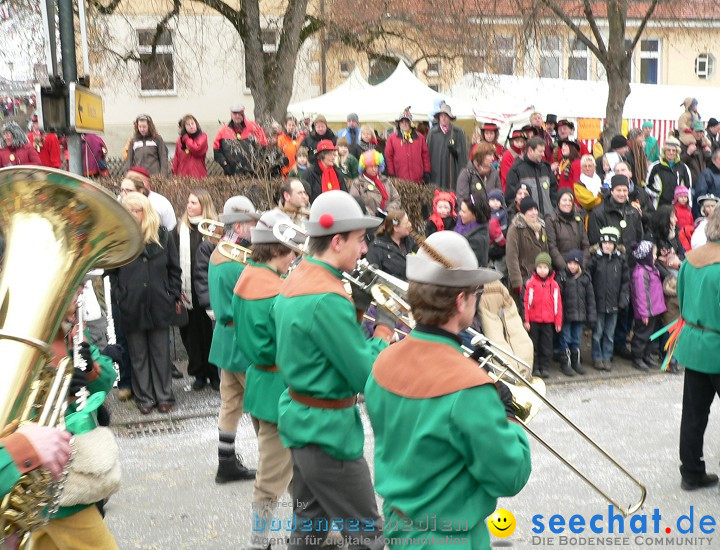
(56,227)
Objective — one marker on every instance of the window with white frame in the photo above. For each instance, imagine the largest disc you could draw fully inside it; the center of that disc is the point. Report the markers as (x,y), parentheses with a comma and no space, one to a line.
(550,56)
(579,61)
(704,65)
(157,72)
(269,40)
(497,57)
(650,61)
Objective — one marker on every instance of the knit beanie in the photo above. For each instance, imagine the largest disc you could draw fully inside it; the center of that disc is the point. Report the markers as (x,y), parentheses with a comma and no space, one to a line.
(680,191)
(565,191)
(610,234)
(642,252)
(619,179)
(526,204)
(543,258)
(574,256)
(618,141)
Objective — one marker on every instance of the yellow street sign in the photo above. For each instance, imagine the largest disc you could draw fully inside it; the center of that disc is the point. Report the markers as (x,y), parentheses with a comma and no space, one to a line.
(86,109)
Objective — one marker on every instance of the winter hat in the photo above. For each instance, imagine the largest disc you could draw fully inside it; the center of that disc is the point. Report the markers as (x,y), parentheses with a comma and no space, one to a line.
(140,170)
(353,117)
(697,126)
(320,118)
(618,141)
(527,203)
(712,122)
(496,194)
(707,197)
(371,158)
(237,108)
(543,258)
(672,141)
(405,115)
(239,209)
(642,252)
(647,124)
(565,191)
(619,179)
(610,234)
(574,256)
(680,191)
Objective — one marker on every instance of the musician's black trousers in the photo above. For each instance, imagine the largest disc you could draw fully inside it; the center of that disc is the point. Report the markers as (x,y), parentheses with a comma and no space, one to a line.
(698,394)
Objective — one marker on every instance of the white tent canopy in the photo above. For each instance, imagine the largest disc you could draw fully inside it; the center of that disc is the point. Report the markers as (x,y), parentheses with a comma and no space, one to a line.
(579,98)
(381,103)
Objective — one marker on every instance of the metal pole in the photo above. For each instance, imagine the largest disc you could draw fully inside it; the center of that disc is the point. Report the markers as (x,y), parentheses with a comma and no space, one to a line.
(48,16)
(67,40)
(69,67)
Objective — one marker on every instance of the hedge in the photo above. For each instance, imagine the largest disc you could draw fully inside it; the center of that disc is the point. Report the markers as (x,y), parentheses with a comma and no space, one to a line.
(263,193)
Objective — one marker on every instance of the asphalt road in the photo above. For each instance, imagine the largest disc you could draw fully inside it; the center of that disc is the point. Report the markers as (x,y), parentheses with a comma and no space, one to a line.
(169,500)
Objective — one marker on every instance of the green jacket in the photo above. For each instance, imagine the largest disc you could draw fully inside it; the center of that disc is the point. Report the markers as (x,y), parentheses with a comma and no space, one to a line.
(444,447)
(323,353)
(9,474)
(255,294)
(652,151)
(223,275)
(698,291)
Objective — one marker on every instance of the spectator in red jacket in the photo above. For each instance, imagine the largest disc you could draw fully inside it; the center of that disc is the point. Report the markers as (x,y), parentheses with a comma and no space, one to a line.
(46,145)
(406,152)
(190,149)
(15,147)
(543,312)
(518,139)
(568,170)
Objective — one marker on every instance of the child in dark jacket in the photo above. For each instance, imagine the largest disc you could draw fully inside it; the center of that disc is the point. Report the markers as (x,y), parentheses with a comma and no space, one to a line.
(648,303)
(543,312)
(498,231)
(578,299)
(443,217)
(611,283)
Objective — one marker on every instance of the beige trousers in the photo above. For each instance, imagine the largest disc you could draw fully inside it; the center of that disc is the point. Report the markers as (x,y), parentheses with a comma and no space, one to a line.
(232,392)
(82,531)
(275,468)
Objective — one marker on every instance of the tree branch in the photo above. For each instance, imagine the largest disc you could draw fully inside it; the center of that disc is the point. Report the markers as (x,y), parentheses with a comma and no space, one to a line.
(590,17)
(235,17)
(105,10)
(580,35)
(312,25)
(643,24)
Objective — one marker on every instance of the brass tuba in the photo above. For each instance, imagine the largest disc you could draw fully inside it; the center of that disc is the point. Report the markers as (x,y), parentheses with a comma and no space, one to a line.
(56,227)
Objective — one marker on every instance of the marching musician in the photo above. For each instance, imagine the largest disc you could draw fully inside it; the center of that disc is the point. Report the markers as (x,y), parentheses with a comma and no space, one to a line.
(325,360)
(78,524)
(446,441)
(255,294)
(239,216)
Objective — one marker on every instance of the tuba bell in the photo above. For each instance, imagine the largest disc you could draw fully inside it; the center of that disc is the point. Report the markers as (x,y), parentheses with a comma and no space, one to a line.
(56,227)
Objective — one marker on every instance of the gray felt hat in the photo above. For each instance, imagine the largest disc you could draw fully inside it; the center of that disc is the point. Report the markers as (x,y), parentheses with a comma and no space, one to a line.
(423,268)
(239,209)
(337,212)
(262,233)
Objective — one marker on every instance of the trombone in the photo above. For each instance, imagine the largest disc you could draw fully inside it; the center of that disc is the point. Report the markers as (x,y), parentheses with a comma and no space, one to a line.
(211,228)
(234,252)
(528,396)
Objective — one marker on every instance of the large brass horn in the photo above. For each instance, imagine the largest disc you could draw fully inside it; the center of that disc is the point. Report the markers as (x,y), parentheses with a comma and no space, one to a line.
(56,227)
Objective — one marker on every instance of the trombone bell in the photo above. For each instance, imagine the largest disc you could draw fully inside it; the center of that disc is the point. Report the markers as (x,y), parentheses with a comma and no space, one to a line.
(211,228)
(234,252)
(291,235)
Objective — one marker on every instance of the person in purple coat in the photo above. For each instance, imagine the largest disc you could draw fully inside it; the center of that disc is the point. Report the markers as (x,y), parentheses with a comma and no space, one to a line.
(648,303)
(93,156)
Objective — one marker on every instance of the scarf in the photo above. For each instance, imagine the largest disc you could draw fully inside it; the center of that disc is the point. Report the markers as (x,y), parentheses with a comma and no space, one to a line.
(329,181)
(564,168)
(463,229)
(380,187)
(444,129)
(185,260)
(407,136)
(592,184)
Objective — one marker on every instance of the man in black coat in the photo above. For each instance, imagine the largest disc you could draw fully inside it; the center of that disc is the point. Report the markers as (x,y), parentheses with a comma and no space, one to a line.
(533,172)
(616,211)
(320,132)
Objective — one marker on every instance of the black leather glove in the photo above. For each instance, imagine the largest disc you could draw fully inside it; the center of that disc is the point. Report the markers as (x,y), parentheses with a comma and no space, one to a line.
(86,356)
(506,397)
(79,380)
(480,354)
(361,298)
(114,352)
(426,177)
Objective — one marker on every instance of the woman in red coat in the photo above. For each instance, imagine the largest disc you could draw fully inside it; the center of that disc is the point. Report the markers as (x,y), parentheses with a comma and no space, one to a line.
(406,152)
(568,170)
(15,148)
(190,149)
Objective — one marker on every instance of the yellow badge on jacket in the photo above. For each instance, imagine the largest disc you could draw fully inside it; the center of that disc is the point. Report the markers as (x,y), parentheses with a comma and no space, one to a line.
(478,186)
(371,187)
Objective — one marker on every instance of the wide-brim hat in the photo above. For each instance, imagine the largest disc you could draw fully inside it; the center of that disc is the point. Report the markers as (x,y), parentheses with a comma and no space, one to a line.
(239,209)
(237,108)
(262,233)
(424,268)
(445,108)
(336,212)
(518,134)
(325,145)
(551,119)
(565,122)
(574,144)
(490,127)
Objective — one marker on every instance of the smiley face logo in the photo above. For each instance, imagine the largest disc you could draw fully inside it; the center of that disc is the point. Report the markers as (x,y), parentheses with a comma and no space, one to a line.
(501,523)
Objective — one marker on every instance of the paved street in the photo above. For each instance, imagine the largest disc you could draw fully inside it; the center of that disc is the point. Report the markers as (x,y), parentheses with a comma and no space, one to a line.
(169,499)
